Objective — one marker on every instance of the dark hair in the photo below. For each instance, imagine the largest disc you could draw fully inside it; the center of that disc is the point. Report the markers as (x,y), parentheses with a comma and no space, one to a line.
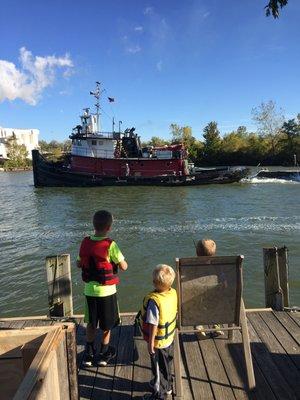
(102,220)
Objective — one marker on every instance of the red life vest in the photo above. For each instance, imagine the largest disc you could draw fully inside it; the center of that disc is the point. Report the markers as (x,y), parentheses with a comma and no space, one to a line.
(94,256)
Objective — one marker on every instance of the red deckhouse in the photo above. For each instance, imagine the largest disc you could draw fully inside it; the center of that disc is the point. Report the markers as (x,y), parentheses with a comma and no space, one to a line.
(100,158)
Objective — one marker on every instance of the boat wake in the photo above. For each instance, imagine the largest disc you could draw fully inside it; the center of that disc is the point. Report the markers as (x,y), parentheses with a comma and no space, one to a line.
(256,180)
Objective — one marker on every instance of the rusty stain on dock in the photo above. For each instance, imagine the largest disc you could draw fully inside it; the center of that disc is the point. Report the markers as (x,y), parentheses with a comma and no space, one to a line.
(213,368)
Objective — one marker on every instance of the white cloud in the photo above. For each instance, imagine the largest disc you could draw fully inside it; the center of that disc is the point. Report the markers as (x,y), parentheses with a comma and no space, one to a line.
(148,10)
(159,65)
(139,29)
(133,49)
(33,76)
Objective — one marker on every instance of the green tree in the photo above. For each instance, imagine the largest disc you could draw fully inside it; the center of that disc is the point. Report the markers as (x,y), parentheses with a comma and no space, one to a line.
(291,139)
(182,134)
(269,121)
(157,141)
(212,143)
(17,155)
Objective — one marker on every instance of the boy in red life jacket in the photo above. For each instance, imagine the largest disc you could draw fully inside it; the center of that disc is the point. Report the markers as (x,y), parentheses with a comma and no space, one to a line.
(158,323)
(207,247)
(99,260)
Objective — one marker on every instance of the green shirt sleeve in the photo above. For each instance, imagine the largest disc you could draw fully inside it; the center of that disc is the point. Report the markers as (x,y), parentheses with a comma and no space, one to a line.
(115,254)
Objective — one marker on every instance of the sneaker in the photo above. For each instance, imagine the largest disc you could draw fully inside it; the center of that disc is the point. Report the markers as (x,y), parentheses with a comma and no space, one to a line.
(89,356)
(151,384)
(200,334)
(218,332)
(105,357)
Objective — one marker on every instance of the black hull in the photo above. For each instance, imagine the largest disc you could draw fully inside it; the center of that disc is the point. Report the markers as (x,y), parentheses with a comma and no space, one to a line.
(51,174)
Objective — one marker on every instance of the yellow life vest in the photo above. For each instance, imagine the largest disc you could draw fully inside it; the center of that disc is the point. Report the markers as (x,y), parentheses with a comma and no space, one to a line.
(167,305)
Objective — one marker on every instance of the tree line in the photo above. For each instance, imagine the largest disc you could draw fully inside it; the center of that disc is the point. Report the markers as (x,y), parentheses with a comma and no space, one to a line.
(276,141)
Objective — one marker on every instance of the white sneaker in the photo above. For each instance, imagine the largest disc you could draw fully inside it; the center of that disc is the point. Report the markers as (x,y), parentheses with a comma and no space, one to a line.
(201,334)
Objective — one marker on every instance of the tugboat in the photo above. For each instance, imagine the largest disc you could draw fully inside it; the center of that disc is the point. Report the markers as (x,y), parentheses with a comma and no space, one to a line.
(100,158)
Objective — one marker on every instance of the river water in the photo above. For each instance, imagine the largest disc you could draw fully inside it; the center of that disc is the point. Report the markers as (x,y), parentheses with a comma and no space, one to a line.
(152,225)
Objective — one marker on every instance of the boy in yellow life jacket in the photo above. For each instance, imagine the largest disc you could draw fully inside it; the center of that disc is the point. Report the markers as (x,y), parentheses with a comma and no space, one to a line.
(207,247)
(158,323)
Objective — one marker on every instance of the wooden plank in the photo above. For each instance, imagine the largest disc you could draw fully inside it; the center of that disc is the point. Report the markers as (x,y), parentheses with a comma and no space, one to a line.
(263,390)
(277,353)
(71,353)
(186,383)
(11,376)
(122,385)
(104,377)
(217,375)
(289,324)
(283,265)
(61,364)
(38,365)
(196,368)
(285,339)
(295,317)
(264,360)
(142,373)
(239,386)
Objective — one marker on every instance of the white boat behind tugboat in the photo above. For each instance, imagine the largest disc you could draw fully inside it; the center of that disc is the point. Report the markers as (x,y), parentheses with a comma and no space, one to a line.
(100,158)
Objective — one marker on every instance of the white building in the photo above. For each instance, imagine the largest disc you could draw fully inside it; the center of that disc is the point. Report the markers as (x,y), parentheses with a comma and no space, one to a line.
(27,137)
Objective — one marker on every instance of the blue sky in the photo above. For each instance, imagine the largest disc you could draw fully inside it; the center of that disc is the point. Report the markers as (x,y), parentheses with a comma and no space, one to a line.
(187,62)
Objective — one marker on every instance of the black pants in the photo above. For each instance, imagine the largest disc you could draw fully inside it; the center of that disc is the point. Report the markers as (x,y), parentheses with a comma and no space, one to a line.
(161,365)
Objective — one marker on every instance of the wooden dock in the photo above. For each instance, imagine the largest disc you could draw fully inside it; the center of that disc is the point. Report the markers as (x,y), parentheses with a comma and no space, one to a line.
(213,368)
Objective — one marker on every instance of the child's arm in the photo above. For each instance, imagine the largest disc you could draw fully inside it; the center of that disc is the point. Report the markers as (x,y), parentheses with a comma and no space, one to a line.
(123,265)
(152,334)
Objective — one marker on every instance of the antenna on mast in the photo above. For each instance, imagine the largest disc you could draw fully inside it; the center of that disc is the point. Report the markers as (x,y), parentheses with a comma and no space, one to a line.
(97,93)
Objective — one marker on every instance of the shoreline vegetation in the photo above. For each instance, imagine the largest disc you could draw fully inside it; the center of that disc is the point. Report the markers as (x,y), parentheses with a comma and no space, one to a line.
(276,142)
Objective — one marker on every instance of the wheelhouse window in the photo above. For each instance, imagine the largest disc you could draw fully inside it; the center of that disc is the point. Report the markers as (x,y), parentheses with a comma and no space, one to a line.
(94,142)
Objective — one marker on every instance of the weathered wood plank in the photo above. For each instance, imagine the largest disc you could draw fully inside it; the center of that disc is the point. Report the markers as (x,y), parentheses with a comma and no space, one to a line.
(141,366)
(196,368)
(186,383)
(289,324)
(104,378)
(263,390)
(286,340)
(239,386)
(264,360)
(295,317)
(71,350)
(122,385)
(277,352)
(220,384)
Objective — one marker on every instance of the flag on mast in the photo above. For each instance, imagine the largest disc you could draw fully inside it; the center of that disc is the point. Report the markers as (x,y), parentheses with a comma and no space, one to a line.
(111,99)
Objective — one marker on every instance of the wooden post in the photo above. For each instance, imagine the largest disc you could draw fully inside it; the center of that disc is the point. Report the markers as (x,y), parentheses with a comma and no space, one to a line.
(276,278)
(247,349)
(60,299)
(283,264)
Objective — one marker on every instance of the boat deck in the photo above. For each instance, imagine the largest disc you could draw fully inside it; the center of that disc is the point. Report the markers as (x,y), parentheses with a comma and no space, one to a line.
(213,368)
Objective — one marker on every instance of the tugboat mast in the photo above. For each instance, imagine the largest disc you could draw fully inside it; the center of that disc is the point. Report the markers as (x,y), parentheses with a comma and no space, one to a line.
(97,93)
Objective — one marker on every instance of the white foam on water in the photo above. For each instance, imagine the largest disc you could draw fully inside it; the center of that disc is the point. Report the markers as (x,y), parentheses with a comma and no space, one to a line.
(269,180)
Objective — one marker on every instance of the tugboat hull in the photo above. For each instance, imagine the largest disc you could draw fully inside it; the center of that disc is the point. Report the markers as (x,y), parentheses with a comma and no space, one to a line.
(52,174)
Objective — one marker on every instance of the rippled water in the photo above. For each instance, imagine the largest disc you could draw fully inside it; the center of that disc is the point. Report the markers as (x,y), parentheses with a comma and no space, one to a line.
(152,225)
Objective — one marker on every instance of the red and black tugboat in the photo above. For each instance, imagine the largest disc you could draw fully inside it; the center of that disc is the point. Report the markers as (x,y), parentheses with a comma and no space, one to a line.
(117,158)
